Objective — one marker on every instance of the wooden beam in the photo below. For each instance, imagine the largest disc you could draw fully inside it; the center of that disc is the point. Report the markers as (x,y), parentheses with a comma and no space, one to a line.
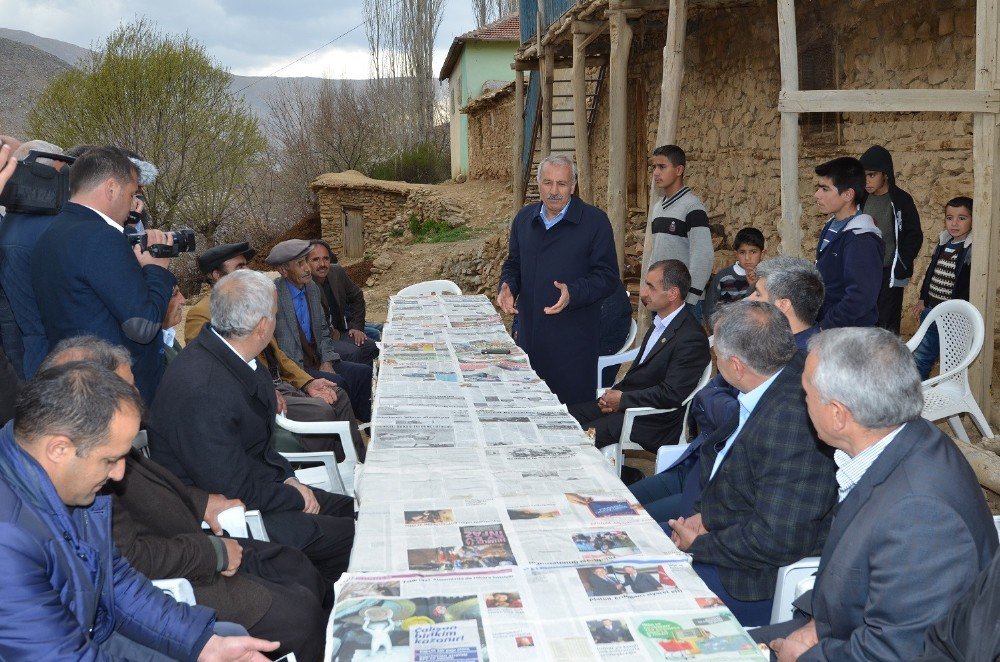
(790,229)
(548,79)
(666,126)
(588,27)
(518,140)
(582,139)
(560,63)
(595,34)
(621,44)
(986,192)
(890,101)
(646,5)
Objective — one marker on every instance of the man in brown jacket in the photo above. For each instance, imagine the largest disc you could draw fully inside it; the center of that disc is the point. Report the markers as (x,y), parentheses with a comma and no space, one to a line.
(300,396)
(271,590)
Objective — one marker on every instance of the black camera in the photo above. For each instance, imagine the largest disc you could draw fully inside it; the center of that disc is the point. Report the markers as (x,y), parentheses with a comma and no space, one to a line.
(184,242)
(36,188)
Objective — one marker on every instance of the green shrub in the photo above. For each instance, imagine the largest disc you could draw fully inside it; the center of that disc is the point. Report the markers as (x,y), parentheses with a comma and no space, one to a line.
(424,163)
(433,231)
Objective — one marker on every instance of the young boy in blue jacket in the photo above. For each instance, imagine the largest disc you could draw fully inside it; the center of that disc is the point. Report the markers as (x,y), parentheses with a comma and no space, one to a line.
(850,249)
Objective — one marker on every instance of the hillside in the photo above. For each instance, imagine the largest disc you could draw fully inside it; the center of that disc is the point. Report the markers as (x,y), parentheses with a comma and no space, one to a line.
(24,72)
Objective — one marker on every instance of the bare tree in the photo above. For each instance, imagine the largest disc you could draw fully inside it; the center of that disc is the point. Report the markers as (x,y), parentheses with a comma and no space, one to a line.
(487,11)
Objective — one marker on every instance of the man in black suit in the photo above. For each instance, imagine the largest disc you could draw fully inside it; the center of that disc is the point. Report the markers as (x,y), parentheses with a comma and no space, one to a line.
(672,357)
(768,488)
(601,584)
(210,425)
(640,583)
(912,530)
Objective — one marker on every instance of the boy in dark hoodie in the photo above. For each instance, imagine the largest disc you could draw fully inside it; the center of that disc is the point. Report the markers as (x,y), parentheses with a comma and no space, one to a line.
(850,251)
(896,216)
(947,276)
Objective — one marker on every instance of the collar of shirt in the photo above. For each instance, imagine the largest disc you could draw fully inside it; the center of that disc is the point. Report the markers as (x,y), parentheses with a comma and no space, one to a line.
(660,325)
(252,362)
(545,220)
(169,335)
(107,219)
(294,290)
(738,270)
(850,470)
(748,402)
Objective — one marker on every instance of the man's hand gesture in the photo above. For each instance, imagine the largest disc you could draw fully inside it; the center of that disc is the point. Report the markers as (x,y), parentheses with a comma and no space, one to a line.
(506,300)
(563,301)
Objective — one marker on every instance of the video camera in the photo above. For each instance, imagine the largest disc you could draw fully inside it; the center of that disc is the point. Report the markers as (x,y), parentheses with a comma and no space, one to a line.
(184,242)
(36,188)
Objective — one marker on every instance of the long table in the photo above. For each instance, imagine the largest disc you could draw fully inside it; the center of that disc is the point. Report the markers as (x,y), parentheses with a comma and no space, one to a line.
(490,527)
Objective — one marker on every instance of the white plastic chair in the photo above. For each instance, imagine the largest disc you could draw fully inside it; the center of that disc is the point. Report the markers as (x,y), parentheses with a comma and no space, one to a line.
(332,477)
(255,526)
(430,287)
(613,359)
(616,452)
(178,588)
(961,330)
(996,523)
(793,580)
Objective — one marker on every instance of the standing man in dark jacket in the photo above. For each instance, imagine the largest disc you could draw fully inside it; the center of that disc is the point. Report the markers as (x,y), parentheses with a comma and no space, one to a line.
(88,279)
(560,265)
(343,303)
(67,592)
(895,214)
(224,447)
(850,248)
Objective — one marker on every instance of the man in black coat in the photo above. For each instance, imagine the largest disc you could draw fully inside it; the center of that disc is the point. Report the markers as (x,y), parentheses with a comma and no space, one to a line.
(768,487)
(560,265)
(211,422)
(671,360)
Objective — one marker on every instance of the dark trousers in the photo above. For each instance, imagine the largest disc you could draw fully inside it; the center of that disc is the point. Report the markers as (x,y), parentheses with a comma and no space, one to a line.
(749,614)
(10,386)
(662,495)
(650,432)
(356,379)
(330,549)
(300,599)
(890,304)
(365,353)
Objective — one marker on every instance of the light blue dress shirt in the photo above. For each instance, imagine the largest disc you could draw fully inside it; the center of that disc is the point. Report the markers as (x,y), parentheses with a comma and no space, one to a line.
(748,401)
(660,325)
(549,224)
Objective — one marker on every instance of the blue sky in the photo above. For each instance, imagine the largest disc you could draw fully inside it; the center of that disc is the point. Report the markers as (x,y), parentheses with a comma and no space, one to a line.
(249,37)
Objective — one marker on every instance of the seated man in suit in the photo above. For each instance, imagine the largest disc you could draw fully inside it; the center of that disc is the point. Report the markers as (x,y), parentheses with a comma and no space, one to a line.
(223,445)
(912,530)
(644,583)
(302,331)
(795,287)
(767,485)
(343,305)
(300,396)
(271,590)
(671,359)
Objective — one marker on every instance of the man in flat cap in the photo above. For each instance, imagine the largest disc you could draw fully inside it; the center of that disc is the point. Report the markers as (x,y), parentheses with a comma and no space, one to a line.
(302,330)
(300,396)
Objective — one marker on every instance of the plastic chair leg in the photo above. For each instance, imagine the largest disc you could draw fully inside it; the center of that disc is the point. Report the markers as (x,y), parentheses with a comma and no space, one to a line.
(980,420)
(956,425)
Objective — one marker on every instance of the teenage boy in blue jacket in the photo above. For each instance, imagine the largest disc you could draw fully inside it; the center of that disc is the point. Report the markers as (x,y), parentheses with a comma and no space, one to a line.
(850,249)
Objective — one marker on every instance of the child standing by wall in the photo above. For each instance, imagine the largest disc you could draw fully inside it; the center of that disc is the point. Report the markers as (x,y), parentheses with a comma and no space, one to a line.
(738,280)
(947,276)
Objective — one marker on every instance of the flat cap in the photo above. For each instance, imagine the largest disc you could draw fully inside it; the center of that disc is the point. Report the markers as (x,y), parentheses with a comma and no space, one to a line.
(213,258)
(286,251)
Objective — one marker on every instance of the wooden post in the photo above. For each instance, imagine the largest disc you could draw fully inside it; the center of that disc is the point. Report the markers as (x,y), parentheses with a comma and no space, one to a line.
(986,193)
(548,76)
(621,44)
(582,141)
(790,229)
(518,150)
(666,128)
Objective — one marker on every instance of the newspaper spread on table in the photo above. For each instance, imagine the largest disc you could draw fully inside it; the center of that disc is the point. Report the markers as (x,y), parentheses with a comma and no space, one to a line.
(490,528)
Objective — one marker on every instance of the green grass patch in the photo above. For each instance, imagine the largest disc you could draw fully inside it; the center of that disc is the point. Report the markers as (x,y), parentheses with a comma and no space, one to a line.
(433,231)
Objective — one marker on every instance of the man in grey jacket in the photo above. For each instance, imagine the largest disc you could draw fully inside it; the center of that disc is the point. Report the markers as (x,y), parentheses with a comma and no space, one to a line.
(303,333)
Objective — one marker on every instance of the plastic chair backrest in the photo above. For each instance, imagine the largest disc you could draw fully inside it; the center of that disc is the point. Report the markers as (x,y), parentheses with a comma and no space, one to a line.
(961,330)
(430,287)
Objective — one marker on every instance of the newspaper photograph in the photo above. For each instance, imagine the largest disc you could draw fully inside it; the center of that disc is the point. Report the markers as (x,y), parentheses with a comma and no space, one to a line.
(715,635)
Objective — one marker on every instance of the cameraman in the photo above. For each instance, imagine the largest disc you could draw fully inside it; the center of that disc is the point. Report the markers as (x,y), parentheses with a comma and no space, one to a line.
(9,383)
(87,278)
(24,339)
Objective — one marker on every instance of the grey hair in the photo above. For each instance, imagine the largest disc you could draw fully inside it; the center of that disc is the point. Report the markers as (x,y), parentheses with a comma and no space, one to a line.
(797,280)
(87,348)
(39,146)
(756,333)
(239,301)
(871,372)
(561,160)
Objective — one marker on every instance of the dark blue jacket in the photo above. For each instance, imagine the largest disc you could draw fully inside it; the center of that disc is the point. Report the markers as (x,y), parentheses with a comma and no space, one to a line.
(580,252)
(18,235)
(66,589)
(851,266)
(87,281)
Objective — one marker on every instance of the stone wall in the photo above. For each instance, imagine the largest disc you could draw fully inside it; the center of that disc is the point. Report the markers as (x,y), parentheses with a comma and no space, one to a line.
(477,271)
(490,135)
